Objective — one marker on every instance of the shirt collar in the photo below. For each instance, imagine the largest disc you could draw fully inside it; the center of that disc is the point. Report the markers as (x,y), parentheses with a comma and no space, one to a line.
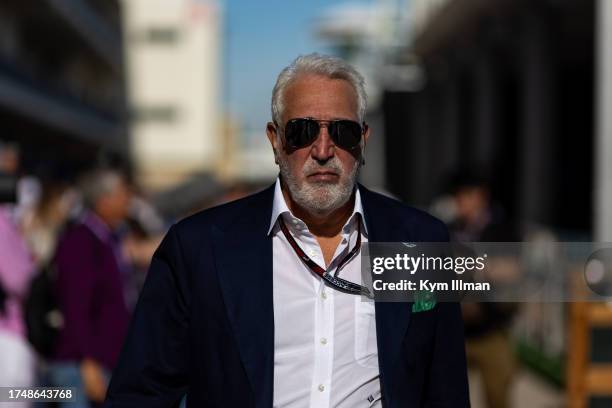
(279,207)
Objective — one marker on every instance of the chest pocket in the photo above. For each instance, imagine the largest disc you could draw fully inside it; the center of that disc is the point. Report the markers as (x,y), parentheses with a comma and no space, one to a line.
(366,349)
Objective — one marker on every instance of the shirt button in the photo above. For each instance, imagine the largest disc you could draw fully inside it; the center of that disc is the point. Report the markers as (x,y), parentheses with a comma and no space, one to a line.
(312,252)
(323,341)
(321,387)
(324,295)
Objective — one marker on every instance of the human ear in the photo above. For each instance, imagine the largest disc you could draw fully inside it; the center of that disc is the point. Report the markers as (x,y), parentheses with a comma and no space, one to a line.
(271,132)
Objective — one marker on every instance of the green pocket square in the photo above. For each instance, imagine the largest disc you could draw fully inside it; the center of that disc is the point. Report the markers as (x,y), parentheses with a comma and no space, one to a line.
(423,301)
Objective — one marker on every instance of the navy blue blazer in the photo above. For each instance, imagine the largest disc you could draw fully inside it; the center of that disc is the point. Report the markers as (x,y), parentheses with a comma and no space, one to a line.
(204,323)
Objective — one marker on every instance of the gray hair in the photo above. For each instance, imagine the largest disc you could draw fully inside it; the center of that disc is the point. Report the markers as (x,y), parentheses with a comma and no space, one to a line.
(317,64)
(97,183)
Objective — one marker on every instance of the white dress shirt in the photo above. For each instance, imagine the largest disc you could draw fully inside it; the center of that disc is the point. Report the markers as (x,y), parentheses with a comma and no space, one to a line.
(325,352)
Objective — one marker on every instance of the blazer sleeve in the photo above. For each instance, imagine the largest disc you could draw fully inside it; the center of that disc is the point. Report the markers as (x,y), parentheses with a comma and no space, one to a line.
(152,368)
(447,385)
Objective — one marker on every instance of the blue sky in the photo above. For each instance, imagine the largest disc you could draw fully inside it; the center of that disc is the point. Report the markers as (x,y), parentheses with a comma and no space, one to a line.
(260,37)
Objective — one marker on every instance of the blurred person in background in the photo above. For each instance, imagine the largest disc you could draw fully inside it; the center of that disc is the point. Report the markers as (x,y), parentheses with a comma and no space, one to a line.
(16,271)
(51,213)
(488,344)
(145,232)
(90,289)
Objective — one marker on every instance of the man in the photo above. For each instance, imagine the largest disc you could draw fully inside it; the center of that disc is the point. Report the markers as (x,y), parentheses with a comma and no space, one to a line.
(90,290)
(489,346)
(244,304)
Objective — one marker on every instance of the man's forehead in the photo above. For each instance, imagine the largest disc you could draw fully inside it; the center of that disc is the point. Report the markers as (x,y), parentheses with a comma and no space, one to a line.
(314,95)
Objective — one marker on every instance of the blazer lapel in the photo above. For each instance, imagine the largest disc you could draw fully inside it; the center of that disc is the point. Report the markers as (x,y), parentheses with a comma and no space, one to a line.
(392,319)
(243,256)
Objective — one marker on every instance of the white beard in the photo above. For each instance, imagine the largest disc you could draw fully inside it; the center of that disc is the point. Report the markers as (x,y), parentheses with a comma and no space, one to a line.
(320,198)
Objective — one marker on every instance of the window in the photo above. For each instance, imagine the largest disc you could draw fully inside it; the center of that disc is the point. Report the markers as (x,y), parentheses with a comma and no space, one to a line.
(155,114)
(158,35)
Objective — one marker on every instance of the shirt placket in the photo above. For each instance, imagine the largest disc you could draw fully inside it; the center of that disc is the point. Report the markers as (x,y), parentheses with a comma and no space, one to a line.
(320,394)
(324,331)
(323,346)
(323,325)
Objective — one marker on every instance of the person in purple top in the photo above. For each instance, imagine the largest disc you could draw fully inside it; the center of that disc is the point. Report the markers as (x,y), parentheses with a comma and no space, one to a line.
(90,290)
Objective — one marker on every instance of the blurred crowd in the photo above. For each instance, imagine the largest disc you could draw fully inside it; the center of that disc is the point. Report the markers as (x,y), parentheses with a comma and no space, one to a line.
(73,257)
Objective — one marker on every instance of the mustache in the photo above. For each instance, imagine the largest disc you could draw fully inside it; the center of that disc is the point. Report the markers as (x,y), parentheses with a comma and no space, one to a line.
(332,165)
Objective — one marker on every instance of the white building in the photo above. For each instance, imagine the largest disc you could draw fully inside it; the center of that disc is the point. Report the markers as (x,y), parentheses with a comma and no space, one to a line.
(173,69)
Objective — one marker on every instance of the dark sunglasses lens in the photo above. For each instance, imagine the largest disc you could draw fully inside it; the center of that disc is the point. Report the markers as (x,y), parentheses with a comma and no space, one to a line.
(301,132)
(346,134)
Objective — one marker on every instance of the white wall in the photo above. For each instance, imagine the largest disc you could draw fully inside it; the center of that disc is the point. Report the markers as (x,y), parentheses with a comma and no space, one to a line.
(182,74)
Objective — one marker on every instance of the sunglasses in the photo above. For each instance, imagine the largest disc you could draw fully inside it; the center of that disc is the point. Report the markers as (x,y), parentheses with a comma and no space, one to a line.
(302,132)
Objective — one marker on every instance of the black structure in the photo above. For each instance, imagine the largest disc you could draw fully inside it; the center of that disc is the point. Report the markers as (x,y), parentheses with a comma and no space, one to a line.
(510,87)
(62,93)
